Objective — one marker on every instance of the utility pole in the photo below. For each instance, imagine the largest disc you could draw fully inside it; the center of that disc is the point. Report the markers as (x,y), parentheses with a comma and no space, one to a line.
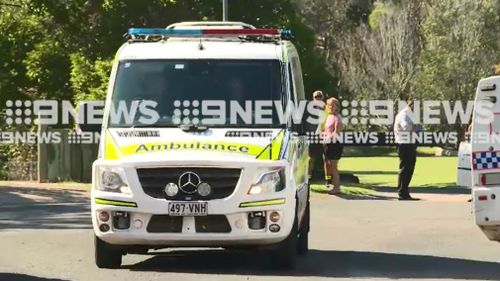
(224,10)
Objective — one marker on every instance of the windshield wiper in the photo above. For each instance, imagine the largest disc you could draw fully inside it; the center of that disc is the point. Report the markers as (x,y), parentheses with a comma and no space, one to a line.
(192,128)
(154,125)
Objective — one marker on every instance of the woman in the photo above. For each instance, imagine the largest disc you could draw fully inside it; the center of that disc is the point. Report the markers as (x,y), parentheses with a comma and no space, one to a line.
(333,145)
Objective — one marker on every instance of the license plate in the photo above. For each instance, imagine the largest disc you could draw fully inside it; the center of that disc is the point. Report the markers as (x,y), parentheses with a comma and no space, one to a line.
(188,208)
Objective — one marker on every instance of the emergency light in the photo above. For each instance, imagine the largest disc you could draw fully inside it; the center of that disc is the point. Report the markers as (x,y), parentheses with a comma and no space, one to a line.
(283,33)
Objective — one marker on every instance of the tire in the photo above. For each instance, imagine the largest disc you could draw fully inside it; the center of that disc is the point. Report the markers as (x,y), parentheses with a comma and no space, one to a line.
(303,239)
(105,255)
(285,254)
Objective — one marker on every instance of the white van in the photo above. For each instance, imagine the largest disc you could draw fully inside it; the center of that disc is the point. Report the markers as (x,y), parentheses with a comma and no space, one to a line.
(485,157)
(464,178)
(178,182)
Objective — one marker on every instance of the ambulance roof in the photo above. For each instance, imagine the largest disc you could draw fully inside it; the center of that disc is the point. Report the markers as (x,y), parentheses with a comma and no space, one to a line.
(190,49)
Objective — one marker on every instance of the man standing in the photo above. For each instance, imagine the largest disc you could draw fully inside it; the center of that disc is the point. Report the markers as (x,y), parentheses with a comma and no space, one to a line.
(315,146)
(407,149)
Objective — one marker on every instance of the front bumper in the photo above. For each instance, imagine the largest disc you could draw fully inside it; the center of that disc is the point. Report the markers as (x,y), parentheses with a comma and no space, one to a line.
(240,233)
(141,208)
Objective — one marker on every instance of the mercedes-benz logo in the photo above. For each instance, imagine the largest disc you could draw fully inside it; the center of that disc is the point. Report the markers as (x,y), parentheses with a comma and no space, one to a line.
(188,182)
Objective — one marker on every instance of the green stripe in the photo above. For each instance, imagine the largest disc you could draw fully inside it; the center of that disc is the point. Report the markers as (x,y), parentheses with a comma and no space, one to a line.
(273,149)
(115,203)
(263,203)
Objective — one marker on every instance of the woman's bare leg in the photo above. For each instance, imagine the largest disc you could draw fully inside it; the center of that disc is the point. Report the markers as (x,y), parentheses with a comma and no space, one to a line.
(335,174)
(328,170)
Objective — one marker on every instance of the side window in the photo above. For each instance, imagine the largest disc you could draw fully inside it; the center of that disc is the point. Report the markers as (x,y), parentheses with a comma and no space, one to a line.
(297,78)
(291,82)
(299,87)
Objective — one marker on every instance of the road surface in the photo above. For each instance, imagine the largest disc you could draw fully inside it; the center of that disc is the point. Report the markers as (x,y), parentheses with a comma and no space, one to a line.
(46,234)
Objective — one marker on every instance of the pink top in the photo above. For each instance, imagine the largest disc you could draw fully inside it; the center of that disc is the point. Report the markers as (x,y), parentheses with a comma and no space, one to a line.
(331,122)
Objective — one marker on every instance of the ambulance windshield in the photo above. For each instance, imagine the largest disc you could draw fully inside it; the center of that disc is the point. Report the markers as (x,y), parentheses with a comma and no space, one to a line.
(195,91)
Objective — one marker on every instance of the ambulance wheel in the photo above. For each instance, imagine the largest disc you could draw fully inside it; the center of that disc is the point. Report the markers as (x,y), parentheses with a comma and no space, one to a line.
(285,254)
(105,255)
(303,240)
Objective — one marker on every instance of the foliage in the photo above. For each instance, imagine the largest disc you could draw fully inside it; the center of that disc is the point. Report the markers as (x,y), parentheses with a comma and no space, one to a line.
(333,21)
(378,59)
(60,49)
(433,49)
(461,47)
(89,80)
(54,49)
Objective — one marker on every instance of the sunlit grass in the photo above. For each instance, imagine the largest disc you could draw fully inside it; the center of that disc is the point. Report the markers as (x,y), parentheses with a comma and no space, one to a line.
(382,172)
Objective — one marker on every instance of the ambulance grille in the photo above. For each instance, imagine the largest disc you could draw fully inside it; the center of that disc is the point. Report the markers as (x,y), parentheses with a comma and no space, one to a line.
(164,224)
(221,180)
(204,224)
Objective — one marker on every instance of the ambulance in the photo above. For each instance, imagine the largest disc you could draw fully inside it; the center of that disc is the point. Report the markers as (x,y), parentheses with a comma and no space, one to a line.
(485,157)
(165,178)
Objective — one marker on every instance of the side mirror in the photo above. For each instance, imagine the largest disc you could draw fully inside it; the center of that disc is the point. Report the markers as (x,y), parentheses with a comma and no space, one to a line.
(93,128)
(93,109)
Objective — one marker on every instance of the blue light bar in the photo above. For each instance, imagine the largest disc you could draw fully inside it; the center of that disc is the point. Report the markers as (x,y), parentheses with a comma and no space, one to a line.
(165,32)
(284,33)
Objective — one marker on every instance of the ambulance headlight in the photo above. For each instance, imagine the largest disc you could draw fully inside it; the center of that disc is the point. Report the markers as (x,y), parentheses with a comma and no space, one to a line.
(269,182)
(112,180)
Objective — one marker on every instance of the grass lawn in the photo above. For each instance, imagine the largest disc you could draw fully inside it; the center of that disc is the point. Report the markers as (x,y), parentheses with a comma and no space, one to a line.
(382,172)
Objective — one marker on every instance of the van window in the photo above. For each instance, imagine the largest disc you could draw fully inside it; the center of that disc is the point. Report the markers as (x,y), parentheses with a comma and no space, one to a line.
(167,81)
(297,78)
(291,82)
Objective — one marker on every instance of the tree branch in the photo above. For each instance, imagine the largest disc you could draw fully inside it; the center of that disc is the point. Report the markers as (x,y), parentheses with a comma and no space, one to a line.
(10,5)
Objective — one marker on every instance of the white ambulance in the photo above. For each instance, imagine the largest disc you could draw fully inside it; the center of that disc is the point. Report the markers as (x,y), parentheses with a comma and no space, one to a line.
(485,157)
(178,182)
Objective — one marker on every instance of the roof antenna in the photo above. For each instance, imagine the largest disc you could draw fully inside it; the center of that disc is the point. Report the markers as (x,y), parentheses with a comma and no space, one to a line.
(200,46)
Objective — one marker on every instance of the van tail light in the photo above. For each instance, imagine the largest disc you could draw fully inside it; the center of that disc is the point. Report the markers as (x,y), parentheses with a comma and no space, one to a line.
(489,179)
(483,179)
(482,198)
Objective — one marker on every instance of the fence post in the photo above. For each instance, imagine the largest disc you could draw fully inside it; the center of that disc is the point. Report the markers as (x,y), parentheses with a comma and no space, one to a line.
(42,161)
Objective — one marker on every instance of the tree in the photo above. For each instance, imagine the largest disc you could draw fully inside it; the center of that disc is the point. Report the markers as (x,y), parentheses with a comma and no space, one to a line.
(54,48)
(380,60)
(89,80)
(461,46)
(332,22)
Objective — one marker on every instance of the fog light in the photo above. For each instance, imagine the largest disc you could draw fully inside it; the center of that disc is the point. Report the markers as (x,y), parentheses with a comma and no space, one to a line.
(171,189)
(104,228)
(121,220)
(138,224)
(257,220)
(274,228)
(274,216)
(204,189)
(104,216)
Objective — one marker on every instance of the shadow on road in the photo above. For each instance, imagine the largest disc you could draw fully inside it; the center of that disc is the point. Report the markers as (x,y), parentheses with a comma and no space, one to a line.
(390,193)
(364,196)
(373,172)
(23,277)
(38,208)
(447,188)
(320,263)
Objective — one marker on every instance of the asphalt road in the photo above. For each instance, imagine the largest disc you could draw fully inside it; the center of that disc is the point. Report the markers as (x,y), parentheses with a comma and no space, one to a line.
(46,234)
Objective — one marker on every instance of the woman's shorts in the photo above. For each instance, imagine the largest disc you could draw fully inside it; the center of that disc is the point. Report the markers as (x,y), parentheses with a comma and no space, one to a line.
(333,151)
